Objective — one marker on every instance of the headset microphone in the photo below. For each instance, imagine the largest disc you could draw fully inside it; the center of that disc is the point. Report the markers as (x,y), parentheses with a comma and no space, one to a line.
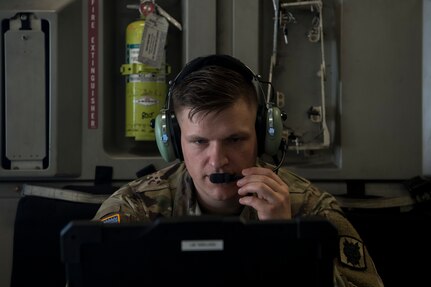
(231,177)
(224,177)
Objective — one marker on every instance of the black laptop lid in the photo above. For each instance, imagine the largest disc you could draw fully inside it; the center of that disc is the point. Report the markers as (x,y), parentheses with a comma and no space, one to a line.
(200,251)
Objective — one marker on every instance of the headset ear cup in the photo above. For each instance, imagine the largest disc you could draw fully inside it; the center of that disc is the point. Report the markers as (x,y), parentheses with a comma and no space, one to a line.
(261,129)
(175,132)
(163,138)
(273,131)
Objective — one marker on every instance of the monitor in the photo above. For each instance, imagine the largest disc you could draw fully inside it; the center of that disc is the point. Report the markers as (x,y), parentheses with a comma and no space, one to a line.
(200,251)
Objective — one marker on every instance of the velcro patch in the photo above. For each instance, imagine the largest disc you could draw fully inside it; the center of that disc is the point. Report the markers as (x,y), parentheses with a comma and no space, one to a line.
(113,218)
(352,252)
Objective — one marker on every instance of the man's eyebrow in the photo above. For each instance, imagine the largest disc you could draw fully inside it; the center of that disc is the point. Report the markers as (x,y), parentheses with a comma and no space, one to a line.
(232,135)
(195,137)
(238,134)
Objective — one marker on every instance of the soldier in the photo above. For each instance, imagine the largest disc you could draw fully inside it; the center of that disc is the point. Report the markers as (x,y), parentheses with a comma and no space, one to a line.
(216,124)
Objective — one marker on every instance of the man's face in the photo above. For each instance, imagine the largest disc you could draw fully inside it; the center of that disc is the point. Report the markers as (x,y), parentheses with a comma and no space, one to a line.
(215,143)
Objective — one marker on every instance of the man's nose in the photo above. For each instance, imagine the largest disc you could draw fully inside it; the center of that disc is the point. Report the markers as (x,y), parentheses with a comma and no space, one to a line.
(217,155)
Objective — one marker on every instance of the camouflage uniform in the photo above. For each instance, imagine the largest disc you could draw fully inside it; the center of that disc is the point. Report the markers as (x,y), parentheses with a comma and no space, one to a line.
(170,192)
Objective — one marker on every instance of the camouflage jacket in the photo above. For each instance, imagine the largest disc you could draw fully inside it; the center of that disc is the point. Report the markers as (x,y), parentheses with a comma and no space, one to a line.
(170,192)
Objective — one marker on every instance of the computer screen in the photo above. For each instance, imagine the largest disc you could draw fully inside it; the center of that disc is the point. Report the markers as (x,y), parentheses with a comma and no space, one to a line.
(200,251)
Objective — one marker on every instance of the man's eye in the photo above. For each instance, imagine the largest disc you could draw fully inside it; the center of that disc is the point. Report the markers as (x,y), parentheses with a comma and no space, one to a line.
(235,139)
(199,141)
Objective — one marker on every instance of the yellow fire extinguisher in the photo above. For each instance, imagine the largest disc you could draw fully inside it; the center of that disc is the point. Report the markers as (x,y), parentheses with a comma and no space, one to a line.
(145,85)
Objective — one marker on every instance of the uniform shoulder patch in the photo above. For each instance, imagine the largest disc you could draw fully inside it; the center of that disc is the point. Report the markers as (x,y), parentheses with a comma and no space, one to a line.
(113,218)
(352,252)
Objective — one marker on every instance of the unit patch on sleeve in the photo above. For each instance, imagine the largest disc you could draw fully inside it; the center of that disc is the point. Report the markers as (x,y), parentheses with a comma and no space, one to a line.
(114,218)
(352,252)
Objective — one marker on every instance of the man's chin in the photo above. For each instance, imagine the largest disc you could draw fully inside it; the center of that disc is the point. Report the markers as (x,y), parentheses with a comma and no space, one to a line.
(225,192)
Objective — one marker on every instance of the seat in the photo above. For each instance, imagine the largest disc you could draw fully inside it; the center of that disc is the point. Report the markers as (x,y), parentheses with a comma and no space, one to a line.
(39,220)
(41,214)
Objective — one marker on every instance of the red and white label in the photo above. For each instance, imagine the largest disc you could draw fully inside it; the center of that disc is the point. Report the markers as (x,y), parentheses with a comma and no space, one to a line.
(93,15)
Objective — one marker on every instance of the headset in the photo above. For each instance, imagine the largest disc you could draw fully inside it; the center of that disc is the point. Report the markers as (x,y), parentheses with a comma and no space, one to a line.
(269,126)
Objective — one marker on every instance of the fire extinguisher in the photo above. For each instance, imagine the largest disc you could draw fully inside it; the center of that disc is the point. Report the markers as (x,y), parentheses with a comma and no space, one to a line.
(145,85)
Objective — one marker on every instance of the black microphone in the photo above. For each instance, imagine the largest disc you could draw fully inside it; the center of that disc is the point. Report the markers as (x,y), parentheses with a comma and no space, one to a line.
(231,177)
(224,177)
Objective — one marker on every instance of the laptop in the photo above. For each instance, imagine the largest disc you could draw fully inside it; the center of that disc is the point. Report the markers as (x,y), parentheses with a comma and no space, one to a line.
(200,251)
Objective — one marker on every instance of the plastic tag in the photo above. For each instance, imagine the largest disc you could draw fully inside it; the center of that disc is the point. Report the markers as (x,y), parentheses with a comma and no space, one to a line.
(153,41)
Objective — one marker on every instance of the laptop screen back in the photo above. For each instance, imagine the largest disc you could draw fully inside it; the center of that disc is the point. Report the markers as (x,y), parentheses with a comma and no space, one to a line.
(200,251)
